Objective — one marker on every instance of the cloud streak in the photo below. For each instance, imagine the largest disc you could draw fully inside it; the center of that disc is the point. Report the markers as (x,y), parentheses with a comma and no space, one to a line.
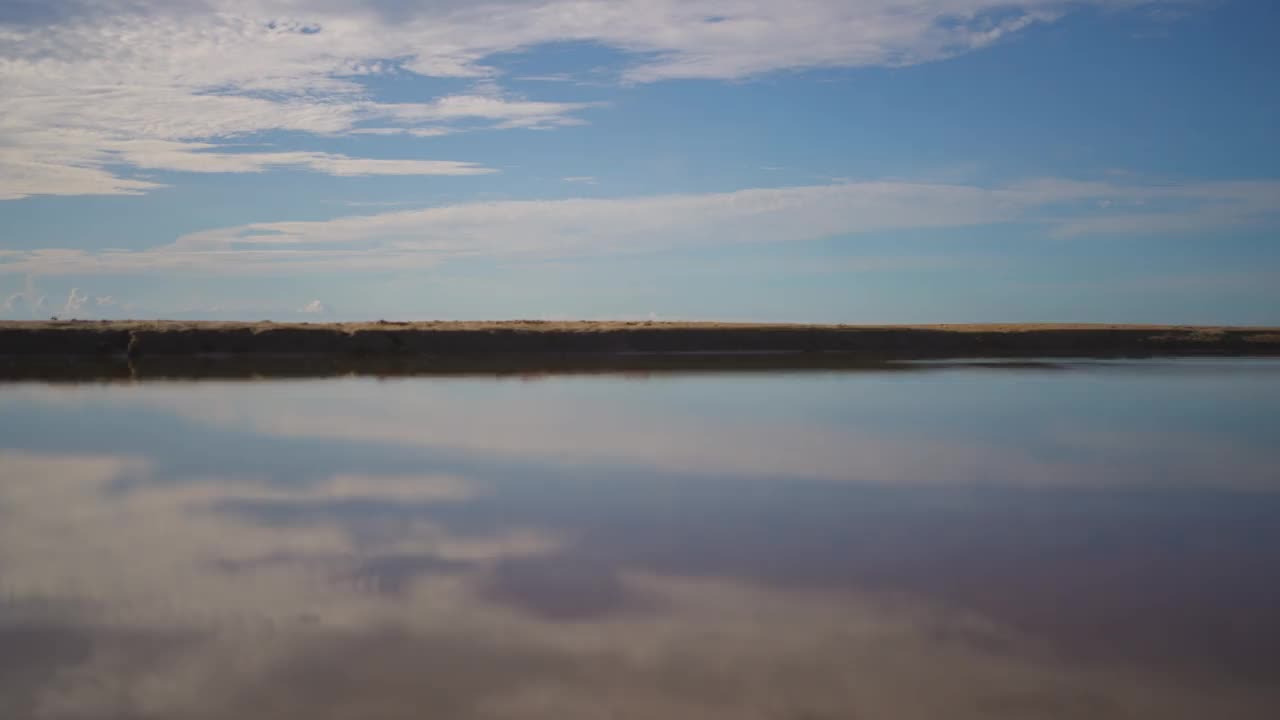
(601,226)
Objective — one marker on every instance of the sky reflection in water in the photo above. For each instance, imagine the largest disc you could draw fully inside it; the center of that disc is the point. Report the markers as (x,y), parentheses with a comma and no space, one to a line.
(1098,540)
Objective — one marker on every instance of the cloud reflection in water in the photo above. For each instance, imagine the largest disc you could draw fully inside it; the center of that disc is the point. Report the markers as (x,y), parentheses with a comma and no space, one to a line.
(635,559)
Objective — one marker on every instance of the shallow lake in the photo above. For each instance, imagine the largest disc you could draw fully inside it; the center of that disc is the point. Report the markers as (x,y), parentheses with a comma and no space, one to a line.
(1095,539)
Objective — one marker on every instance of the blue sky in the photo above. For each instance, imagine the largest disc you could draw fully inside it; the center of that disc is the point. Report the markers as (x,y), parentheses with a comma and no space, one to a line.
(818,160)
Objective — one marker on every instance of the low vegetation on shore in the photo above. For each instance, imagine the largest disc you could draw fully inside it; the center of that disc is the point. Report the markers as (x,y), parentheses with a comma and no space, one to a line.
(179,338)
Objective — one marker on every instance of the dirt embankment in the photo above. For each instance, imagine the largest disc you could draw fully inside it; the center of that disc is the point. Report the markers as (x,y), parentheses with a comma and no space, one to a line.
(170,339)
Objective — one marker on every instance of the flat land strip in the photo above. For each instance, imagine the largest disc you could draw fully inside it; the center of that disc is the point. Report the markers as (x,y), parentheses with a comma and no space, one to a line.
(142,339)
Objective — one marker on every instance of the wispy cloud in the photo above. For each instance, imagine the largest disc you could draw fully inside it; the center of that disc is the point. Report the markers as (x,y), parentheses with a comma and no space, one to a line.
(505,112)
(93,86)
(383,203)
(200,158)
(594,226)
(415,132)
(1091,208)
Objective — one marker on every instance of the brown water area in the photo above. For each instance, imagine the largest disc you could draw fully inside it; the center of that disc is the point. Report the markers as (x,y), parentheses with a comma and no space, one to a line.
(639,537)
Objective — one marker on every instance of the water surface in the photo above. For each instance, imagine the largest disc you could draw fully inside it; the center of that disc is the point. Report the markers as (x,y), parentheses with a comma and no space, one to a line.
(1020,540)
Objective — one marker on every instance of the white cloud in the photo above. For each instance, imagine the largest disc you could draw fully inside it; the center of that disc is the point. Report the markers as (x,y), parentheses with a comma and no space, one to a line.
(75,301)
(29,301)
(62,160)
(507,113)
(315,307)
(32,303)
(82,81)
(1132,207)
(416,132)
(195,157)
(24,175)
(64,133)
(578,227)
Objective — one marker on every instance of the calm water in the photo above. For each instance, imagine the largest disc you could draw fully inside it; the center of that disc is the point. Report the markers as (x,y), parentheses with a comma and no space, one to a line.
(1090,540)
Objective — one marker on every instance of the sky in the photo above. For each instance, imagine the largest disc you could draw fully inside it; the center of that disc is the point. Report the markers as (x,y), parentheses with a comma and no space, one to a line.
(860,161)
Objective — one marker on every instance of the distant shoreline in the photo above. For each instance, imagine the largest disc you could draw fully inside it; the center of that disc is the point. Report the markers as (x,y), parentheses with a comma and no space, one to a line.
(88,339)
